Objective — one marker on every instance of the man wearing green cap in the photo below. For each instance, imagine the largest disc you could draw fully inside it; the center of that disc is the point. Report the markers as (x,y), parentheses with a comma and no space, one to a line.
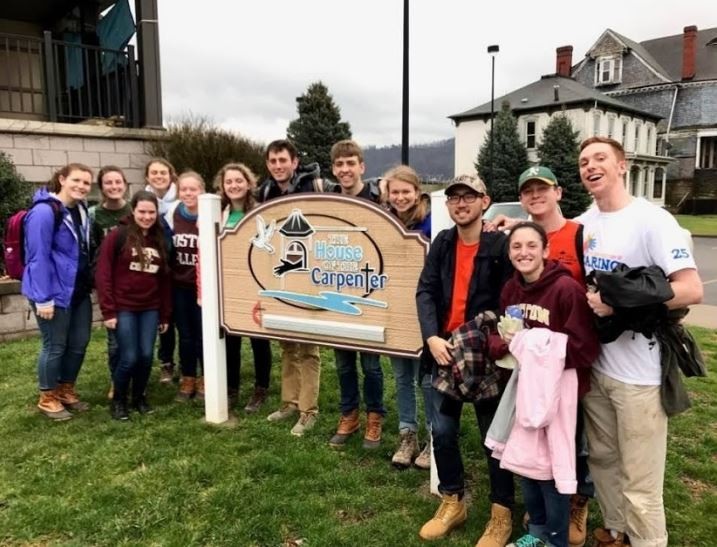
(540,196)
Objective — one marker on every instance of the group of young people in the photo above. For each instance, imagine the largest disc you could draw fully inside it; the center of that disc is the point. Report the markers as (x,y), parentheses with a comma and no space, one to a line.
(142,257)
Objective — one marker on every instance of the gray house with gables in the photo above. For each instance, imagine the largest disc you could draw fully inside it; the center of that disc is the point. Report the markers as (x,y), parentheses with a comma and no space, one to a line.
(674,77)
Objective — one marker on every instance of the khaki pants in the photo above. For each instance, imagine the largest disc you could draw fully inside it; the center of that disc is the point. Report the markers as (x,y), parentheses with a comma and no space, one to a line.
(627,437)
(300,371)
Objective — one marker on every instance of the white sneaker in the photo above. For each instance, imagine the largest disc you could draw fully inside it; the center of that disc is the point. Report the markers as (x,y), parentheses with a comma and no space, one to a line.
(306,422)
(283,413)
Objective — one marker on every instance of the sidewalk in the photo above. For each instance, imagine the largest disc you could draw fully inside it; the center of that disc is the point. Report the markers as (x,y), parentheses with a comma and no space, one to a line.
(702,315)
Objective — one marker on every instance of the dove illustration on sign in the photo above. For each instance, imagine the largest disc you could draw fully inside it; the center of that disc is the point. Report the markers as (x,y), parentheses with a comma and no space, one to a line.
(264,233)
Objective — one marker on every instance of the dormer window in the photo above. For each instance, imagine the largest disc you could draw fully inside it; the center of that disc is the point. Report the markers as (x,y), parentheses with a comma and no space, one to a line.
(608,70)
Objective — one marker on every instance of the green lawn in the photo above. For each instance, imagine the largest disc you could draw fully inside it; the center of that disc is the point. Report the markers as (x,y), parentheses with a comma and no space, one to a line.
(699,225)
(170,479)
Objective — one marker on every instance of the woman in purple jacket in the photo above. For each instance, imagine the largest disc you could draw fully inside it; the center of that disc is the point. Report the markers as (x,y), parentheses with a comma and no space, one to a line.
(57,282)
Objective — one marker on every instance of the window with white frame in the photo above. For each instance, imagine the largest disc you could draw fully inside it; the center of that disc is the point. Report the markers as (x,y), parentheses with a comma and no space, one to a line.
(611,126)
(530,126)
(657,185)
(597,116)
(648,140)
(608,70)
(636,146)
(708,153)
(624,133)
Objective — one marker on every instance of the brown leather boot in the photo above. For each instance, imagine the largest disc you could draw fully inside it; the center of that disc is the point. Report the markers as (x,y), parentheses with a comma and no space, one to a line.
(348,425)
(372,437)
(199,389)
(257,399)
(450,515)
(51,407)
(186,388)
(66,394)
(578,531)
(603,538)
(499,527)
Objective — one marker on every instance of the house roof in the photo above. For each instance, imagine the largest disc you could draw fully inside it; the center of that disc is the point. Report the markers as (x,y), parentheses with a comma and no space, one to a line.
(540,96)
(644,53)
(668,52)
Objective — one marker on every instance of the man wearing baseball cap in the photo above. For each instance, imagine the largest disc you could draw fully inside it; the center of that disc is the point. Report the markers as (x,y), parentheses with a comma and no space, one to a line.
(463,275)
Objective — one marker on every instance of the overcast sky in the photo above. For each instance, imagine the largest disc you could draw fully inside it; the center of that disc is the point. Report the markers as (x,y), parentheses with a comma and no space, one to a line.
(243,63)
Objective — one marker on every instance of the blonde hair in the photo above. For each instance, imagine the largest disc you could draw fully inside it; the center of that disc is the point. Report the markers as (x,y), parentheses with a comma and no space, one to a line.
(192,175)
(247,173)
(421,208)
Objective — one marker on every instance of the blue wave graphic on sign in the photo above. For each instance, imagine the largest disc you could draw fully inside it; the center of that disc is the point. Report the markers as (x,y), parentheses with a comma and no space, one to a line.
(327,300)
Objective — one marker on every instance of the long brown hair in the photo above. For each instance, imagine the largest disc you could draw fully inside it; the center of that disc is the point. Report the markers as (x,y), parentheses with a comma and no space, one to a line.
(166,163)
(420,210)
(64,172)
(135,238)
(249,200)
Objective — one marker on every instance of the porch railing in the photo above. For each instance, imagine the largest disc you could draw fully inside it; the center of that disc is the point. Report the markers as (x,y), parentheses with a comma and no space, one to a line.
(60,81)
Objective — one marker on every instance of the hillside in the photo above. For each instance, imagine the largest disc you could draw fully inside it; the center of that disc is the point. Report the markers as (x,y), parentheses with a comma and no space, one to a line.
(433,161)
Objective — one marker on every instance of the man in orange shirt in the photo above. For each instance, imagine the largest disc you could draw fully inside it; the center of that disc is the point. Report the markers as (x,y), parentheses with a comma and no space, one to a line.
(463,275)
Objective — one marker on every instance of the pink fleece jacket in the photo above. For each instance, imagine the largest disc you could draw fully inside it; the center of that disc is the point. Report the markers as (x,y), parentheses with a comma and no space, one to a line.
(541,444)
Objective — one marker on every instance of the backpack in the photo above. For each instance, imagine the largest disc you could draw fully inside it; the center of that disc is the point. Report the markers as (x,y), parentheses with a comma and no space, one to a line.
(14,237)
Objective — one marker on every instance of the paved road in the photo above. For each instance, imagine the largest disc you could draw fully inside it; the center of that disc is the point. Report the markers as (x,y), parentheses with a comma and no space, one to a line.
(706,258)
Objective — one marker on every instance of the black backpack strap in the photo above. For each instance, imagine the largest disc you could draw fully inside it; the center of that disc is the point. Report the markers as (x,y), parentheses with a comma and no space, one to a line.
(579,248)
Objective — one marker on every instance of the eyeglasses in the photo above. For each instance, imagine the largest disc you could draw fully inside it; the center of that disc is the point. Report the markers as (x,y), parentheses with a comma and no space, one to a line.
(470,197)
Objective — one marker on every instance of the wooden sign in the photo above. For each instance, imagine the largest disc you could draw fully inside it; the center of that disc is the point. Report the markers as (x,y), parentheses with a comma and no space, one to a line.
(323,268)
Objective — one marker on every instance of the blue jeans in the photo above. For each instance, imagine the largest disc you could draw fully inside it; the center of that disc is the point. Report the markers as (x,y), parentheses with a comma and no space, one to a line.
(136,333)
(188,318)
(407,371)
(549,511)
(348,381)
(64,342)
(446,424)
(112,351)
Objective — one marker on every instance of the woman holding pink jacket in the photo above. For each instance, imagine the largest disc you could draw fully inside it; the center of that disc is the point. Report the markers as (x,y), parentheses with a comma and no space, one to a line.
(550,300)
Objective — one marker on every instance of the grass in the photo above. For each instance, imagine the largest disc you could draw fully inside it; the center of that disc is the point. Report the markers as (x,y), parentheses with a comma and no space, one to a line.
(170,479)
(699,225)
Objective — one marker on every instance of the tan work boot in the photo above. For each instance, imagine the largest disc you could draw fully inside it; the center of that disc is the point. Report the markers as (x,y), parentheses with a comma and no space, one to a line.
(307,421)
(450,515)
(166,373)
(66,394)
(603,538)
(199,389)
(578,531)
(348,425)
(499,527)
(423,461)
(186,388)
(286,411)
(51,407)
(374,425)
(407,450)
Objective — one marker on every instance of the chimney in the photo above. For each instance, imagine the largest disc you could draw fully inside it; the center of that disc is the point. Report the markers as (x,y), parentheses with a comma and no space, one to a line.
(689,52)
(563,61)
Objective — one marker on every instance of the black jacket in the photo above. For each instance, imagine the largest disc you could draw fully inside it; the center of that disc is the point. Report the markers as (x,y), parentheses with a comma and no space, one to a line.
(306,179)
(491,270)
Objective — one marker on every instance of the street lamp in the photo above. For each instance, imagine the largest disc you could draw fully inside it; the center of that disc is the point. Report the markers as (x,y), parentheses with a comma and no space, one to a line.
(492,51)
(404,121)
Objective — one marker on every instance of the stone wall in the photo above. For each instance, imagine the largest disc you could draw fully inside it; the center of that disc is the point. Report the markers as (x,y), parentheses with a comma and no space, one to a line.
(16,319)
(39,148)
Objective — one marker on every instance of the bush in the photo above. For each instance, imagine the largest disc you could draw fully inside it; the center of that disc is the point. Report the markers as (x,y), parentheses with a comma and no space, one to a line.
(15,194)
(196,143)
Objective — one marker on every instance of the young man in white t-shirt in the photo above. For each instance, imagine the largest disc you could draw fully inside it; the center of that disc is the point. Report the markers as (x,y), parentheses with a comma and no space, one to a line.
(626,424)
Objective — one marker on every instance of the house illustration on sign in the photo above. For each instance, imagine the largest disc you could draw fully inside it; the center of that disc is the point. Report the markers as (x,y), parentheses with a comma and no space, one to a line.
(296,234)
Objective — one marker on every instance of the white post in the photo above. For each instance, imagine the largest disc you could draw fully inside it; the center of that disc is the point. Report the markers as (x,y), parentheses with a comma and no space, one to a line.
(216,407)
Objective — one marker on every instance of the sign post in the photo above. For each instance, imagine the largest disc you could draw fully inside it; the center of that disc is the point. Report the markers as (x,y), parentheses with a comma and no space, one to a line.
(216,408)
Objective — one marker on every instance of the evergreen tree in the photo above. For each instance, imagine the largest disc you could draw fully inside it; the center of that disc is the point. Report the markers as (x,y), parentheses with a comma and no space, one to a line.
(559,150)
(510,158)
(318,126)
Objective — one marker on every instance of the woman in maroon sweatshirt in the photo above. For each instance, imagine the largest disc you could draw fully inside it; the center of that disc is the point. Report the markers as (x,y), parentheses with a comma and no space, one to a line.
(182,220)
(549,298)
(133,283)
